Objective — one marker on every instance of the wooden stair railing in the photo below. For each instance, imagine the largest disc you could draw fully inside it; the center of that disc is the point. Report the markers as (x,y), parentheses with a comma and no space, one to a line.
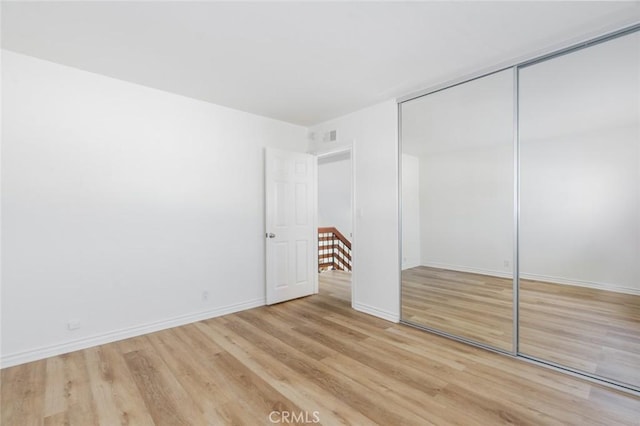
(334,250)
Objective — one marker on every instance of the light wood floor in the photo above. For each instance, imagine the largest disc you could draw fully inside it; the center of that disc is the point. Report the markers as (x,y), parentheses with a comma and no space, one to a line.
(591,330)
(309,355)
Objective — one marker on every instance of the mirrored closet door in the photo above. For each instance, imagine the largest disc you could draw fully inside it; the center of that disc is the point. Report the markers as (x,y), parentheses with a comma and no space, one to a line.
(537,165)
(457,179)
(580,210)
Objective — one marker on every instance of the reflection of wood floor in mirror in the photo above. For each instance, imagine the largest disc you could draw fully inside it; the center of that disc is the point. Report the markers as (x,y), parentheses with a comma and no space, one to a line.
(588,329)
(474,306)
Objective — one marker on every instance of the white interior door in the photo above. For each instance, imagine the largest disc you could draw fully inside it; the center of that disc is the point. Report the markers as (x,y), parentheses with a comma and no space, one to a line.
(291,249)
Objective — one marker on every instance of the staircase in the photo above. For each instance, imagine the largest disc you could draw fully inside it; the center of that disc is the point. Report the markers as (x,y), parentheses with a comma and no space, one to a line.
(334,250)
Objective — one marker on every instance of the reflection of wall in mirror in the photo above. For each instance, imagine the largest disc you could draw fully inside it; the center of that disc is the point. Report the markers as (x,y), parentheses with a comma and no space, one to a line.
(580,209)
(466,210)
(410,212)
(580,167)
(462,140)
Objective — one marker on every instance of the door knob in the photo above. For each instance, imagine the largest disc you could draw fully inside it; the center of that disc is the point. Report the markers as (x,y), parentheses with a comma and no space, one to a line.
(271,235)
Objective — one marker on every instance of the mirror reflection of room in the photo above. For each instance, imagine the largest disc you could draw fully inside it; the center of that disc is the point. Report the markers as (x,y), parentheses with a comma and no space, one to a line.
(577,133)
(580,210)
(457,210)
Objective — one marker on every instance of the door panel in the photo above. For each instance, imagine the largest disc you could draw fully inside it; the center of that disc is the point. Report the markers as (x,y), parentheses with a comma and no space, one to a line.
(580,210)
(457,202)
(290,224)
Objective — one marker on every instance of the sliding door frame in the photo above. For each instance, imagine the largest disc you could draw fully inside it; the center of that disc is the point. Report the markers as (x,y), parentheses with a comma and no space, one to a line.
(513,350)
(515,67)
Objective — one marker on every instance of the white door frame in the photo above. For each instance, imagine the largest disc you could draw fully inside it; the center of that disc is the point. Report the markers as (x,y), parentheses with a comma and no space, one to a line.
(354,265)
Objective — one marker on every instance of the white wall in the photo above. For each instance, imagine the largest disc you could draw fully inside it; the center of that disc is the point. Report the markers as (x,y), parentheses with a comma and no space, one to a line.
(410,212)
(334,194)
(121,205)
(373,133)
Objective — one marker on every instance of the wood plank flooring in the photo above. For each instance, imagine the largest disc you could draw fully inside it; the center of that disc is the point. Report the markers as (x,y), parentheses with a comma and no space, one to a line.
(591,330)
(305,360)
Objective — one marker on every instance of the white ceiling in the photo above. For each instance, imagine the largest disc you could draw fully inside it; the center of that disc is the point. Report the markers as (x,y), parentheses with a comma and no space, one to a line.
(301,62)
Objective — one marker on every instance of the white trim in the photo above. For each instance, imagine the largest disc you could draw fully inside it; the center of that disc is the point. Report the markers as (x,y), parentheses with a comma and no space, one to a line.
(354,251)
(334,150)
(490,272)
(385,315)
(579,283)
(316,243)
(10,360)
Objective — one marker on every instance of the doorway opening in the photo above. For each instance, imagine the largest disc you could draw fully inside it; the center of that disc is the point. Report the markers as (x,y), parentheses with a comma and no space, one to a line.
(335,224)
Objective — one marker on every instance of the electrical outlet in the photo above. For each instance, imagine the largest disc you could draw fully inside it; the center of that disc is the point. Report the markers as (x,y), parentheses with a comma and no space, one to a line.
(73,324)
(507,264)
(205,296)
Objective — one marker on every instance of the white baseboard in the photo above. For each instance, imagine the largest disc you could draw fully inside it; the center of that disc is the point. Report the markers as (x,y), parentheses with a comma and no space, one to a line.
(579,283)
(17,358)
(472,270)
(385,315)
